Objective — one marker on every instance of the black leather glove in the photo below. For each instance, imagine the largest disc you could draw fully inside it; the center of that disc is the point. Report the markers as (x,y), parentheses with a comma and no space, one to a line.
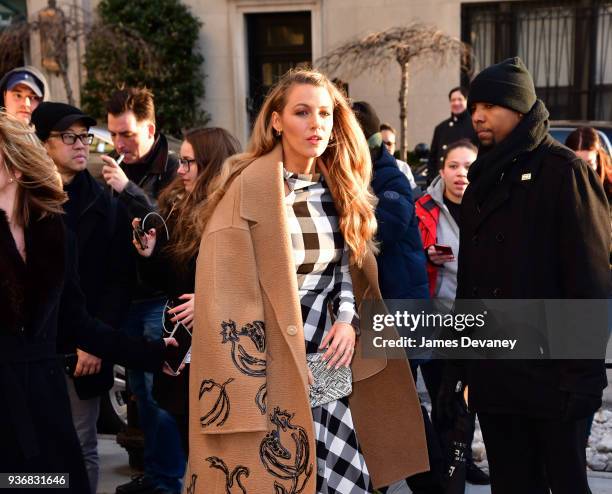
(450,402)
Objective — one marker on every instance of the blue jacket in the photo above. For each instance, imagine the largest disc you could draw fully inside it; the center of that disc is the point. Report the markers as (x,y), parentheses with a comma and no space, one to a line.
(401,261)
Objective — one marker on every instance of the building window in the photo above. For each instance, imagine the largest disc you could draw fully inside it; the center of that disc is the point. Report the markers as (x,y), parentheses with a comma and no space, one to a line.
(277,42)
(567,48)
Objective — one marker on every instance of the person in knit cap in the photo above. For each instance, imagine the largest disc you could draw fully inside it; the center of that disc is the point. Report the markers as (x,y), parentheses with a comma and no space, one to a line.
(534,226)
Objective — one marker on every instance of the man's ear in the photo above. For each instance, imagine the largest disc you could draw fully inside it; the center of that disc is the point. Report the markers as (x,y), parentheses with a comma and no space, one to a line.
(151,129)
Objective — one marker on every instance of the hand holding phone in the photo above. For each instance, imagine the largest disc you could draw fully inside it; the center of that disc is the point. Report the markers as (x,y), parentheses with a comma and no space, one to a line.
(143,241)
(440,254)
(176,355)
(443,250)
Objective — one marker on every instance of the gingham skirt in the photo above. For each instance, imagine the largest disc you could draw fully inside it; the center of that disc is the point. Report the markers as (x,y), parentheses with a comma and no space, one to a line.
(323,277)
(341,467)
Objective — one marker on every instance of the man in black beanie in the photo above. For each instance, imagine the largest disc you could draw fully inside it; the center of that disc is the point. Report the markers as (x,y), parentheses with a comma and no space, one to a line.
(535,225)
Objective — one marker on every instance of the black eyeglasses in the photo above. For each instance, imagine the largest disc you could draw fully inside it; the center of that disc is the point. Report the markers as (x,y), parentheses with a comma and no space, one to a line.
(69,138)
(186,163)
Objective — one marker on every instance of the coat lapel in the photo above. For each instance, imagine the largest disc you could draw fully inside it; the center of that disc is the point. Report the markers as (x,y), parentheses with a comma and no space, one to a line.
(262,205)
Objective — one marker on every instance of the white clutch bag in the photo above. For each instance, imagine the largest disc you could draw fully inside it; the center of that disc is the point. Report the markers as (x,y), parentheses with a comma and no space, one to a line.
(329,384)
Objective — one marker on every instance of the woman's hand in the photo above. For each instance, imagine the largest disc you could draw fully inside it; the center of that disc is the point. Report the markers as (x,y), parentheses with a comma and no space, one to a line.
(438,259)
(149,240)
(340,344)
(166,368)
(184,313)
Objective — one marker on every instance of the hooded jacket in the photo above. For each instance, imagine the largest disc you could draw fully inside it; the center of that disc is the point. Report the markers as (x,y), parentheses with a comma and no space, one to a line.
(437,225)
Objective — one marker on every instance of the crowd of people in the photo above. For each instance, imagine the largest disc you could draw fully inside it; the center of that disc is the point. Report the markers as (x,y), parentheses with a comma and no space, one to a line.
(263,259)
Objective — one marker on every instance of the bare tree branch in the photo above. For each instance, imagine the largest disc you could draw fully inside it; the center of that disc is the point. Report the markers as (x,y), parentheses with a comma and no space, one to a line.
(414,46)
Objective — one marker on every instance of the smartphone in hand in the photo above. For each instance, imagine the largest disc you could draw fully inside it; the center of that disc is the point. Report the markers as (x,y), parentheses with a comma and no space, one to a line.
(443,250)
(177,355)
(139,236)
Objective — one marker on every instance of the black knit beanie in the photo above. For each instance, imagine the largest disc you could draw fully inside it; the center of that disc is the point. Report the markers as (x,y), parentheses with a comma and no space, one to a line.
(508,84)
(367,118)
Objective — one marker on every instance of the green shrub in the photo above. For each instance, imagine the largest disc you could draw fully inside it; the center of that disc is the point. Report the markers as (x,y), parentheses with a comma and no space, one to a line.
(148,43)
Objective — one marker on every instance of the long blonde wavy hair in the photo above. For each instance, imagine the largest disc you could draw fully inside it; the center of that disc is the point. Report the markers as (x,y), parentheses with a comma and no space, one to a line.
(347,159)
(40,188)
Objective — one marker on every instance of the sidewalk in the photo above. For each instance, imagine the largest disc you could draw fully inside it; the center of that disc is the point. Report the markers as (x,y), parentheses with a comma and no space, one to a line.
(115,471)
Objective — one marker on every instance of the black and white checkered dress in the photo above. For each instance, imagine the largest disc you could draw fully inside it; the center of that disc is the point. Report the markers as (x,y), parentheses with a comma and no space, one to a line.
(322,267)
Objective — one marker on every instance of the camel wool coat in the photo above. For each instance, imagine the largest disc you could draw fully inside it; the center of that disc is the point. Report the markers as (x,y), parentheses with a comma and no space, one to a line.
(250,423)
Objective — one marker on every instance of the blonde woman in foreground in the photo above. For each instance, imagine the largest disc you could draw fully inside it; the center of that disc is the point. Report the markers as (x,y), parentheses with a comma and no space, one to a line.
(285,257)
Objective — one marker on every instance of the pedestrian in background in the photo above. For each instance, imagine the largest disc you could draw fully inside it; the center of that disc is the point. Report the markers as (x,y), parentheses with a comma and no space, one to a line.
(457,126)
(103,232)
(586,143)
(22,90)
(170,263)
(439,214)
(147,167)
(42,309)
(388,135)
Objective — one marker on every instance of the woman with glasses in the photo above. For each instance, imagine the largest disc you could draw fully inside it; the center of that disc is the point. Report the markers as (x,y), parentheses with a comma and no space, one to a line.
(42,307)
(170,252)
(286,253)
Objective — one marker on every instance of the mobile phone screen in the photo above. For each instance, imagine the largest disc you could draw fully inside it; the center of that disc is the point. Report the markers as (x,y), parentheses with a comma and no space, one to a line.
(182,335)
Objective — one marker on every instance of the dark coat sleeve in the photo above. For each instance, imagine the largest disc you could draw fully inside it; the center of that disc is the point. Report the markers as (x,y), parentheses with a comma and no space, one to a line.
(585,234)
(95,337)
(584,249)
(395,209)
(117,288)
(142,200)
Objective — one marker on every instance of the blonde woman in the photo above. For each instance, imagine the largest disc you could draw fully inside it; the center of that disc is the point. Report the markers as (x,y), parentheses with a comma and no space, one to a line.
(285,254)
(42,308)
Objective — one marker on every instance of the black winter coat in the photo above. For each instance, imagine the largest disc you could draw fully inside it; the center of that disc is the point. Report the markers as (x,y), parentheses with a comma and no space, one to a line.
(401,261)
(106,263)
(41,308)
(446,132)
(140,198)
(542,233)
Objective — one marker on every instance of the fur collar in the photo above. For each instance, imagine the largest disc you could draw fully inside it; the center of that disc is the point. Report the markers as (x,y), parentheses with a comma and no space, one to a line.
(25,290)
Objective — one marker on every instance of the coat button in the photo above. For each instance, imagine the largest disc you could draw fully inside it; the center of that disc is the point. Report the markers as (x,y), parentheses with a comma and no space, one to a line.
(291,330)
(450,124)
(499,237)
(22,329)
(475,239)
(496,292)
(475,291)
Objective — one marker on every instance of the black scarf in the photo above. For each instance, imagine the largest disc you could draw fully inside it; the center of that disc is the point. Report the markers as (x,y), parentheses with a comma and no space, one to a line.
(494,161)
